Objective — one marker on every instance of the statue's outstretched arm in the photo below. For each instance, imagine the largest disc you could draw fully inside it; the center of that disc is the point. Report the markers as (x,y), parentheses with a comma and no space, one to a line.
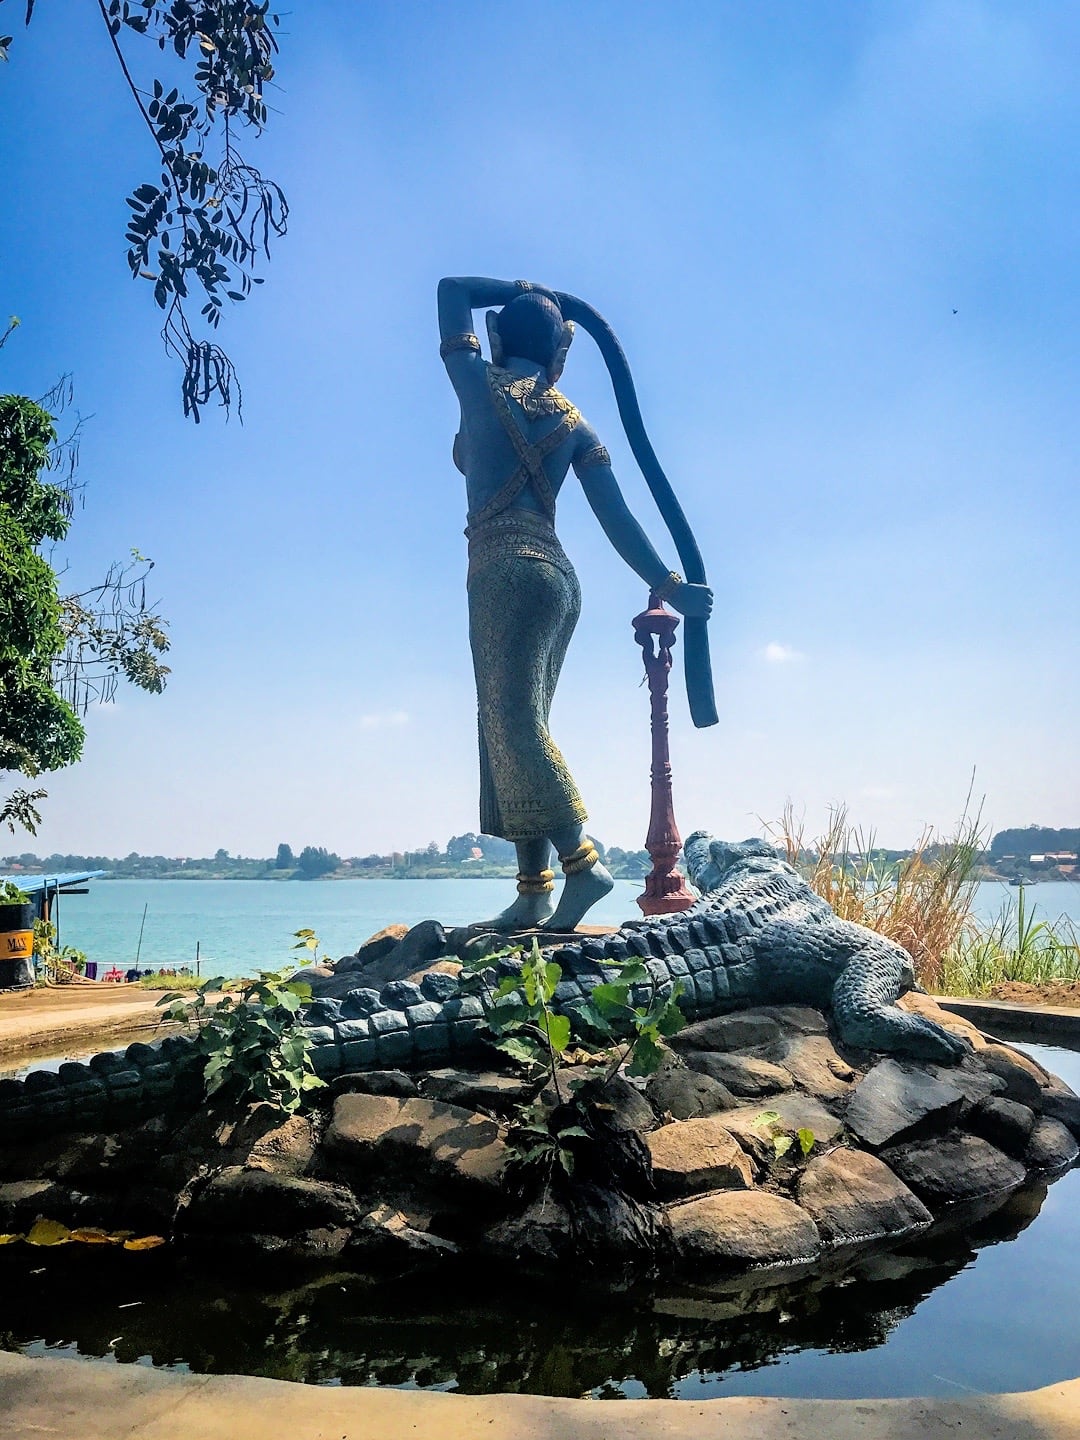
(460,295)
(633,545)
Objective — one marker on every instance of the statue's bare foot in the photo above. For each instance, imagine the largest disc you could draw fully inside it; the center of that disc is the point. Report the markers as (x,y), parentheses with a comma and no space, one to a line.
(528,912)
(580,893)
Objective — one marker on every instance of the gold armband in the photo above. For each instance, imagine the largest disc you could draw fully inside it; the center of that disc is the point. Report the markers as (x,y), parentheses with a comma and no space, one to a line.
(583,858)
(541,884)
(467,341)
(667,587)
(595,455)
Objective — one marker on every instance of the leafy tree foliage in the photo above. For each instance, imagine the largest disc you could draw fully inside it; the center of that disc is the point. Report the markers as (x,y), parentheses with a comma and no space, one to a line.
(1035,840)
(286,860)
(315,861)
(198,230)
(56,653)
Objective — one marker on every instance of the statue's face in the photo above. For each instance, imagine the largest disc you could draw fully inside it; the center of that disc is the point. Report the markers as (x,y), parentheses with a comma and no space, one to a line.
(709,861)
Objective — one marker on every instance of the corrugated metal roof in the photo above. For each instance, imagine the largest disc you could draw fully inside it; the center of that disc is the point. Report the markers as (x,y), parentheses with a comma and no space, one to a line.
(32,883)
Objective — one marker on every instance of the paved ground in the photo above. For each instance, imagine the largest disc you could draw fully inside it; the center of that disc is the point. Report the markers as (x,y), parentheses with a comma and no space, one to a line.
(1053,1023)
(74,1400)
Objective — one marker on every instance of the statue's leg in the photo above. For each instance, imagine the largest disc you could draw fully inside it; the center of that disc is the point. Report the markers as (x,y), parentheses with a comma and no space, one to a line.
(521,617)
(535,882)
(587,881)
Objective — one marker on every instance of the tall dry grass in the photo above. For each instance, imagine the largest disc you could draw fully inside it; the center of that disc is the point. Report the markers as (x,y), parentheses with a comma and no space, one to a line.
(923,901)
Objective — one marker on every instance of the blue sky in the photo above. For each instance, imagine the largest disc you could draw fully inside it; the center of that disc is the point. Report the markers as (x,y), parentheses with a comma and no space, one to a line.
(779,207)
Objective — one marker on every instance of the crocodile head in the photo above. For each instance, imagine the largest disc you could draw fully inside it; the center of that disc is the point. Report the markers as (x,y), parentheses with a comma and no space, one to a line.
(709,861)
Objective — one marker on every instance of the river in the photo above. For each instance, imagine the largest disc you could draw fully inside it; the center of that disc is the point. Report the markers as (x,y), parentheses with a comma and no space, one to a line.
(241,925)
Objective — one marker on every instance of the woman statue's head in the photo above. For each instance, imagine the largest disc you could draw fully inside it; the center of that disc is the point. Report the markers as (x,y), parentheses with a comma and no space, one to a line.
(532,328)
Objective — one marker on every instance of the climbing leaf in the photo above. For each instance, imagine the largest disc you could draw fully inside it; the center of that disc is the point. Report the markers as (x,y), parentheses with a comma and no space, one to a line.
(144,1242)
(806,1138)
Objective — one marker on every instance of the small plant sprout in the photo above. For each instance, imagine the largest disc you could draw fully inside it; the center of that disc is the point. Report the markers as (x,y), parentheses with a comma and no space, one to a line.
(772,1124)
(309,941)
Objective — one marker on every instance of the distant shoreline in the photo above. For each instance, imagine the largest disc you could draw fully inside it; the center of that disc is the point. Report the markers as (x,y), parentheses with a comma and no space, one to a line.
(507,873)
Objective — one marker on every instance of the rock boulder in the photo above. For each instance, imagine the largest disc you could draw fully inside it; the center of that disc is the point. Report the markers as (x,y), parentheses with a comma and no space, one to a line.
(855,1198)
(689,1156)
(736,1228)
(950,1168)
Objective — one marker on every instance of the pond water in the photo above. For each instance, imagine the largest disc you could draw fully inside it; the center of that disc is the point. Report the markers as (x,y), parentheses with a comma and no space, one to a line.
(241,925)
(989,1308)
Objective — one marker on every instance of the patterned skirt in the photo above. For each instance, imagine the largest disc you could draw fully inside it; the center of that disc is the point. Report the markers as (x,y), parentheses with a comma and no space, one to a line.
(524,602)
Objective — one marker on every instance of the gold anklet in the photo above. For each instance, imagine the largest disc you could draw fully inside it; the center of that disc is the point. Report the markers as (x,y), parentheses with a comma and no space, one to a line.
(583,858)
(541,884)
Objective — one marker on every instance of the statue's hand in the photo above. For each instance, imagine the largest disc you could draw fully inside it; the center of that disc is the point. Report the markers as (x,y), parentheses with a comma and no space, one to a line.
(695,601)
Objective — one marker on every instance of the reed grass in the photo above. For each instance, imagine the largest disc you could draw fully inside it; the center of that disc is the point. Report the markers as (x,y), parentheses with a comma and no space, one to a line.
(923,902)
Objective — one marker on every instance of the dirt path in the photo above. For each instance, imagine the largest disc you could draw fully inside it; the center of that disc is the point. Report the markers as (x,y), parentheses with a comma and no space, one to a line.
(84,1018)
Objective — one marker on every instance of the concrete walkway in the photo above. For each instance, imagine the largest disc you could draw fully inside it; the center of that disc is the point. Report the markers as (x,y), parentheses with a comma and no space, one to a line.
(77,1400)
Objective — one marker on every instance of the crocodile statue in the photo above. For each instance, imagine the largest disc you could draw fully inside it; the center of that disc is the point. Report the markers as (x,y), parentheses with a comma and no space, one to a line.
(758,935)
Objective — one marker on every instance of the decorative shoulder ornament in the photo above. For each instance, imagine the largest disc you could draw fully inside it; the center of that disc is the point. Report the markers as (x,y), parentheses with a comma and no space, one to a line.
(535,396)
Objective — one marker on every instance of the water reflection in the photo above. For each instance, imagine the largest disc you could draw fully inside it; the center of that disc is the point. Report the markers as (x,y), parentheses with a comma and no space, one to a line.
(470,1332)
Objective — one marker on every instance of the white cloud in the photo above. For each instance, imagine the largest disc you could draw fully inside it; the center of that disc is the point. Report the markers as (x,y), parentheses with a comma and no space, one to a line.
(384,720)
(778,654)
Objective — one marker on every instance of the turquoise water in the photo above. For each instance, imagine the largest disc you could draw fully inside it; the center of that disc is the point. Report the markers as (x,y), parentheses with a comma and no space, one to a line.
(244,924)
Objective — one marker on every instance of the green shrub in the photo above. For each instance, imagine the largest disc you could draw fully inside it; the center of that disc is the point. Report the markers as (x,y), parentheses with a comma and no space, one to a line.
(518,1015)
(254,1048)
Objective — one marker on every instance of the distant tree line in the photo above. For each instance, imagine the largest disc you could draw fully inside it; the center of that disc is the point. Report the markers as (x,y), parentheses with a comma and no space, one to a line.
(469,854)
(1034,840)
(478,856)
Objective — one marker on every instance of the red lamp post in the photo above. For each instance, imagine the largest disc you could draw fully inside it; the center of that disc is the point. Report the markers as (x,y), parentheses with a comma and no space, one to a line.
(666,890)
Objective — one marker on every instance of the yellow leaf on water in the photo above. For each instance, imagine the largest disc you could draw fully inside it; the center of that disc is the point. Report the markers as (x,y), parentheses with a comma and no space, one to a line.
(144,1242)
(89,1236)
(48,1232)
(10,1239)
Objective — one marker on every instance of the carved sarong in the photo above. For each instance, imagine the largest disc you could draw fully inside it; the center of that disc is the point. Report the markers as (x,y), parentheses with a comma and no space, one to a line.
(524,601)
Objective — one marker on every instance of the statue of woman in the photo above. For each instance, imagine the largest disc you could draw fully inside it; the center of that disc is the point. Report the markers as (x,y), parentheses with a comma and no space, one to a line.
(517,440)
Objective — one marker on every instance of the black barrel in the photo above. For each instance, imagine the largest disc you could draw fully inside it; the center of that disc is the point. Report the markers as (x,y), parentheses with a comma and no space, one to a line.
(16,947)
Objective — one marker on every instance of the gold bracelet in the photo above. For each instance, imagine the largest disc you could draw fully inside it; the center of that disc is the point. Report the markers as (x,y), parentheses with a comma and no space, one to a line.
(667,587)
(467,341)
(541,884)
(583,858)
